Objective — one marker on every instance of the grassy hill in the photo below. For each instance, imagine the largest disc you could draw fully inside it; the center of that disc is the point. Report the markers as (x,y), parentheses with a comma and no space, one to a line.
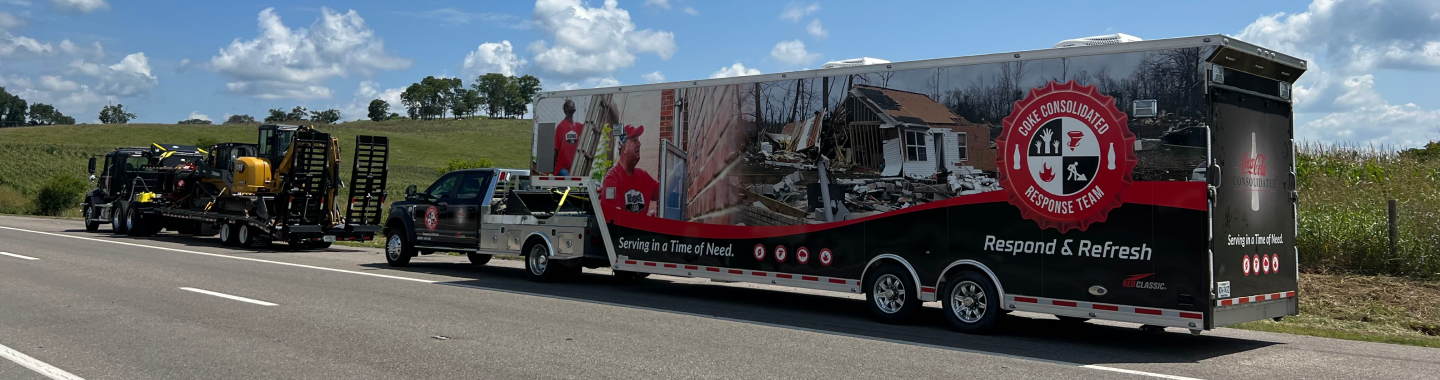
(31,155)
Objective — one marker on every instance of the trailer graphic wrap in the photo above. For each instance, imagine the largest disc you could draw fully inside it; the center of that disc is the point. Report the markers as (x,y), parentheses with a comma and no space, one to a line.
(820,179)
(1254,209)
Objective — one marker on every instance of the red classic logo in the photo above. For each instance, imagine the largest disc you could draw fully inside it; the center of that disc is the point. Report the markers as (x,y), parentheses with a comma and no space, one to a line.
(1134,282)
(432,217)
(1066,155)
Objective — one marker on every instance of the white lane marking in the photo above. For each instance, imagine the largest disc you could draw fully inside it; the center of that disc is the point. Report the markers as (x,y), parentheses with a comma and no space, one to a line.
(1056,362)
(223,255)
(38,366)
(19,256)
(233,297)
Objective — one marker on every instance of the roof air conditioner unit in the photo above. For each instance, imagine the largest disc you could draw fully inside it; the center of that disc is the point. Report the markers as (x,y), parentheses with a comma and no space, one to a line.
(1107,39)
(853,62)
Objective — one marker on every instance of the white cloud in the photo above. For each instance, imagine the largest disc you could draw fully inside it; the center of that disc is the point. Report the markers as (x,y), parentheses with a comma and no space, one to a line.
(55,83)
(589,83)
(793,52)
(130,76)
(454,16)
(282,63)
(10,21)
(691,11)
(734,70)
(23,3)
(817,30)
(1346,43)
(68,47)
(796,11)
(12,43)
(592,42)
(662,4)
(359,107)
(69,97)
(653,77)
(81,6)
(492,57)
(201,116)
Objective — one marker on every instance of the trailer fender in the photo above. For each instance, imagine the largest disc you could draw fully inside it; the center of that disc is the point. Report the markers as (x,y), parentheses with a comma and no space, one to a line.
(877,260)
(971,264)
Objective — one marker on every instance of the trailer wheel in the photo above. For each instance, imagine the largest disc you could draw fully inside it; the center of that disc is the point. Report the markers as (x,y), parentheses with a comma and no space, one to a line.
(245,237)
(227,234)
(539,267)
(136,223)
(478,258)
(90,224)
(970,302)
(891,294)
(398,250)
(117,219)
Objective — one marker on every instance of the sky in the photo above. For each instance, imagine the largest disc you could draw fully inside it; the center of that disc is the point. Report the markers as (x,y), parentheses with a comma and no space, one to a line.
(1374,64)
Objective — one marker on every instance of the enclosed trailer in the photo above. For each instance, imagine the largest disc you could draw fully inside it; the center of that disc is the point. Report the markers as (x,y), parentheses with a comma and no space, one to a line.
(1148,182)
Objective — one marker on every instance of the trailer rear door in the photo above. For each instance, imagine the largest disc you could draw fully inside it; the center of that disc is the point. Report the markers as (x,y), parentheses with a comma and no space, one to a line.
(1253,210)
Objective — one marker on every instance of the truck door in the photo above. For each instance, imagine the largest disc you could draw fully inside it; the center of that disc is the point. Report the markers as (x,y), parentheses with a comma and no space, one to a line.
(463,225)
(427,215)
(1253,213)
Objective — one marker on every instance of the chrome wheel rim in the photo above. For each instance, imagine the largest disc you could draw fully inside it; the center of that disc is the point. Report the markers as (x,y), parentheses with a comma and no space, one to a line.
(244,235)
(115,220)
(392,248)
(225,232)
(968,301)
(889,293)
(538,260)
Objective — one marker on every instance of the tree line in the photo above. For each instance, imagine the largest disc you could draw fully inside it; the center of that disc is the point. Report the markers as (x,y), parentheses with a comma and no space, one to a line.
(435,98)
(15,112)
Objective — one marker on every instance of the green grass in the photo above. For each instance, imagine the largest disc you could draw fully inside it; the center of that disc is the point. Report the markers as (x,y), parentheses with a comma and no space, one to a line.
(30,155)
(1368,308)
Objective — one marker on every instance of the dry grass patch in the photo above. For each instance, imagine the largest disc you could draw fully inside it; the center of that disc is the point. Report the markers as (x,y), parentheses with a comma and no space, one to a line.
(1369,308)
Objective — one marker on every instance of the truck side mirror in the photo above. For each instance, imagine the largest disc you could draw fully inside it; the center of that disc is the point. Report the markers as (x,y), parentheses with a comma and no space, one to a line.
(92,165)
(410,191)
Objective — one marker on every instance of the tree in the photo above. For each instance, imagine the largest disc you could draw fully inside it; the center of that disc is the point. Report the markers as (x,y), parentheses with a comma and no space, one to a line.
(12,109)
(276,115)
(195,122)
(493,87)
(412,98)
(115,115)
(394,116)
(296,114)
(329,116)
(473,101)
(240,119)
(528,87)
(378,110)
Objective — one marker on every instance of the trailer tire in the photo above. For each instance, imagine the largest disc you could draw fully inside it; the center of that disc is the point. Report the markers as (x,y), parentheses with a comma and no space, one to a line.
(136,224)
(970,302)
(90,224)
(478,258)
(246,236)
(227,234)
(398,250)
(539,267)
(891,294)
(117,218)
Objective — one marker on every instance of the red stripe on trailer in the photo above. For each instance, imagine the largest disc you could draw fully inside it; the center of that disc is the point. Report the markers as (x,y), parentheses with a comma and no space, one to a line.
(927,289)
(809,278)
(762,274)
(629,262)
(1105,307)
(1026,300)
(736,271)
(692,267)
(1148,311)
(782,275)
(1062,303)
(1192,315)
(712,269)
(670,266)
(1289,294)
(837,281)
(1242,300)
(649,264)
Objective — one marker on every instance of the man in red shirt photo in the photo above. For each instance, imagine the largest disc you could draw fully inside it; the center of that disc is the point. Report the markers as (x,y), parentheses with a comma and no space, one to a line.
(567,138)
(627,187)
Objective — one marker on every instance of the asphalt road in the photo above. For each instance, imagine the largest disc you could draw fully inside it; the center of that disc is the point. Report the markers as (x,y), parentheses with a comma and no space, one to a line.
(100,306)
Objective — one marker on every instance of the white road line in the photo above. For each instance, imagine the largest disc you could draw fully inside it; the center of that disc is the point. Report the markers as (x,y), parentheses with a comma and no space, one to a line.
(19,256)
(40,367)
(1056,362)
(223,295)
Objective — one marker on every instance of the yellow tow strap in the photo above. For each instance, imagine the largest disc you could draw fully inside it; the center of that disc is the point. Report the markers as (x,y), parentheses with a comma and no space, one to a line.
(562,199)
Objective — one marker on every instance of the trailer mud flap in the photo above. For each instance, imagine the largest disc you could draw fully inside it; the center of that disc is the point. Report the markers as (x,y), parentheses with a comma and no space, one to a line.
(1254,258)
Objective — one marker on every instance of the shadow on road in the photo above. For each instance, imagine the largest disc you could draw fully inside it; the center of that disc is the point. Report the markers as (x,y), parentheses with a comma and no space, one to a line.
(1040,337)
(212,242)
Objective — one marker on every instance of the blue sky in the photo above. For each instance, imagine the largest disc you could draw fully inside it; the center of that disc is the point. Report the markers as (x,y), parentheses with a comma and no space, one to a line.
(1376,64)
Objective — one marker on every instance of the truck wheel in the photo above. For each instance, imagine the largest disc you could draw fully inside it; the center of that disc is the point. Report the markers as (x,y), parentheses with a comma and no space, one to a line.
(970,302)
(891,294)
(117,219)
(136,223)
(246,236)
(478,258)
(227,234)
(90,224)
(539,267)
(398,250)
